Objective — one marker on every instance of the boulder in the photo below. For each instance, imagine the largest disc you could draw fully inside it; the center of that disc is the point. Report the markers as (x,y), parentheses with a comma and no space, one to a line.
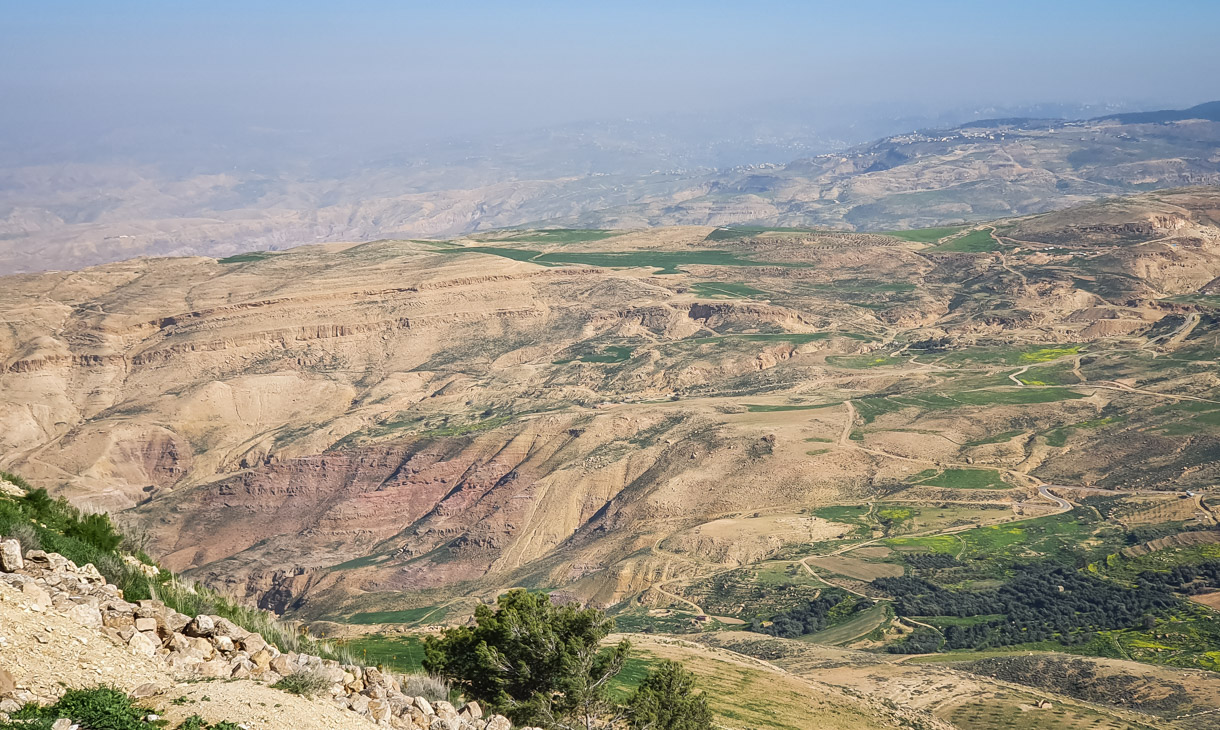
(146,624)
(201,626)
(444,710)
(283,666)
(144,643)
(379,710)
(225,627)
(87,616)
(252,644)
(201,648)
(10,556)
(472,711)
(217,669)
(38,558)
(498,722)
(39,599)
(262,659)
(175,621)
(424,706)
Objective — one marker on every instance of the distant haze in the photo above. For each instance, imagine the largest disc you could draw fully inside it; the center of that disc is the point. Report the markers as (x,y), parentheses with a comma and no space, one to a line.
(199,81)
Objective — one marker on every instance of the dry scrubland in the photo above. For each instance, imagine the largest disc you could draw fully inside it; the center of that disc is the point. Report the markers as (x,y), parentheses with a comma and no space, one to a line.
(695,428)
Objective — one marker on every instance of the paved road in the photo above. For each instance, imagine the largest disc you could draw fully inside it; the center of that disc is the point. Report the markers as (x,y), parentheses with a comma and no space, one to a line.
(1063,503)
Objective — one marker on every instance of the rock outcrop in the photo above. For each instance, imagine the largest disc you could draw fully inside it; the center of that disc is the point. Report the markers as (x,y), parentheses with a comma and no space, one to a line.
(189,649)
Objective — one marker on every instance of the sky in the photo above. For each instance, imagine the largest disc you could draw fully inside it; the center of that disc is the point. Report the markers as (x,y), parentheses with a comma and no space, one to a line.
(75,72)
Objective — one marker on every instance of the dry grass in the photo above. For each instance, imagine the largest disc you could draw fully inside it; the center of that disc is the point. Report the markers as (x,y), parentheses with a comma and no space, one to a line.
(856,568)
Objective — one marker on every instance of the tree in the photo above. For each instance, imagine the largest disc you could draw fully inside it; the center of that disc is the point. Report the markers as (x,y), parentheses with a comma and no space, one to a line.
(666,700)
(538,663)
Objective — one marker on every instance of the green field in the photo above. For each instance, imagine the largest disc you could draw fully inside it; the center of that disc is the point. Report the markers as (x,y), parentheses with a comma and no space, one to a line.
(725,290)
(765,408)
(558,235)
(609,354)
(665,262)
(857,362)
(972,242)
(249,257)
(924,235)
(1049,376)
(635,671)
(797,338)
(730,233)
(1008,355)
(871,407)
(965,479)
(400,653)
(862,624)
(405,616)
(944,544)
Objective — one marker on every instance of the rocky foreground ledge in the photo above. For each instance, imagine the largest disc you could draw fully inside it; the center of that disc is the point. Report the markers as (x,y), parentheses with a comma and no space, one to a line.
(91,636)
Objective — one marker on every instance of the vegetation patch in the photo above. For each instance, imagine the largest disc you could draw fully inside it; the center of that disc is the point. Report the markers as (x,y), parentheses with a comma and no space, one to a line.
(725,290)
(1008,355)
(871,407)
(798,338)
(832,607)
(864,622)
(246,258)
(972,242)
(965,479)
(925,235)
(732,233)
(402,652)
(1046,354)
(404,616)
(778,408)
(558,235)
(1039,604)
(857,362)
(606,355)
(1059,436)
(99,708)
(665,262)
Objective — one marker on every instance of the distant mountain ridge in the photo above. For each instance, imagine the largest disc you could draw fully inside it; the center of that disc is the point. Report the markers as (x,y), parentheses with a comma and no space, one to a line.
(1209,111)
(56,217)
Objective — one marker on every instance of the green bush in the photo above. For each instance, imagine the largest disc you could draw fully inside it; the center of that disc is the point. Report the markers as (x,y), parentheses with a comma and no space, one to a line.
(306,684)
(195,722)
(536,662)
(96,530)
(666,700)
(100,708)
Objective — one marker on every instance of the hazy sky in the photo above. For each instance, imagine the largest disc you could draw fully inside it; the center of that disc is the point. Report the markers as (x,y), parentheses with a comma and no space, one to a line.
(427,68)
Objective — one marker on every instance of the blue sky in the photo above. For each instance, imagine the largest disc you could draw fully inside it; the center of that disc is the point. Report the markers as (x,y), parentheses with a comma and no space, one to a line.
(426,67)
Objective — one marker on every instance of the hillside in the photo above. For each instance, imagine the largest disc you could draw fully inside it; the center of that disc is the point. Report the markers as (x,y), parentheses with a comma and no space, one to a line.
(980,171)
(319,427)
(70,216)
